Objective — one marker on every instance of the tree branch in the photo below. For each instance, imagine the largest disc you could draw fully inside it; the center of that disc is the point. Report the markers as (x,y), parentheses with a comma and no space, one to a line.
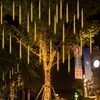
(27,47)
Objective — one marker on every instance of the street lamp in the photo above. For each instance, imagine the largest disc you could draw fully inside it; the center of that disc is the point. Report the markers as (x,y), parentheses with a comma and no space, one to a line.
(96,63)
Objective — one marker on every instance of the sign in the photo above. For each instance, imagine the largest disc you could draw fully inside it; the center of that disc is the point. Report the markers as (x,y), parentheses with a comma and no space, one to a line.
(78,65)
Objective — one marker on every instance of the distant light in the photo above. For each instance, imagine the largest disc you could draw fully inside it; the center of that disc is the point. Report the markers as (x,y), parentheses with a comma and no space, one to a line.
(83,76)
(96,63)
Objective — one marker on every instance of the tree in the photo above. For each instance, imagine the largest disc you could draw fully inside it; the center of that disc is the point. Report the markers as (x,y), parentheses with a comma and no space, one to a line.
(77,86)
(45,32)
(26,73)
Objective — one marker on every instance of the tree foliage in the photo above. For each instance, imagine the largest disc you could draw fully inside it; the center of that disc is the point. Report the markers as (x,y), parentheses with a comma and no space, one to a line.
(44,31)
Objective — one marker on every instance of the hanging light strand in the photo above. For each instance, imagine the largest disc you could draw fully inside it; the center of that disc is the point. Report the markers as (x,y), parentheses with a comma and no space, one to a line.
(31,11)
(82,18)
(77,9)
(40,53)
(20,14)
(49,16)
(10,49)
(74,24)
(18,81)
(57,13)
(17,68)
(13,10)
(57,60)
(69,62)
(12,71)
(63,32)
(1,14)
(63,54)
(81,44)
(20,50)
(3,38)
(39,9)
(67,13)
(28,23)
(90,44)
(35,32)
(50,48)
(28,58)
(54,24)
(9,74)
(3,76)
(60,9)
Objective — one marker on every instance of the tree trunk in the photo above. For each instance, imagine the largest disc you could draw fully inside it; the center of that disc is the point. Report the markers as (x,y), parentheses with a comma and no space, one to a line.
(47,84)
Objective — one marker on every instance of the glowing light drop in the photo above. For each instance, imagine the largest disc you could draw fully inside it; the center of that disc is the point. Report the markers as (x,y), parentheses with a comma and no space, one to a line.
(57,13)
(20,50)
(50,48)
(9,74)
(31,11)
(49,17)
(3,38)
(39,9)
(81,44)
(63,54)
(40,53)
(74,24)
(77,9)
(57,60)
(28,23)
(28,58)
(1,14)
(82,18)
(3,76)
(13,10)
(60,9)
(67,13)
(10,45)
(20,14)
(54,24)
(90,44)
(17,68)
(69,62)
(12,71)
(35,31)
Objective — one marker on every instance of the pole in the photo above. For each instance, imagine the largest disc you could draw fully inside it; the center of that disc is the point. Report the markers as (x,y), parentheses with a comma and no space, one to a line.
(83,88)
